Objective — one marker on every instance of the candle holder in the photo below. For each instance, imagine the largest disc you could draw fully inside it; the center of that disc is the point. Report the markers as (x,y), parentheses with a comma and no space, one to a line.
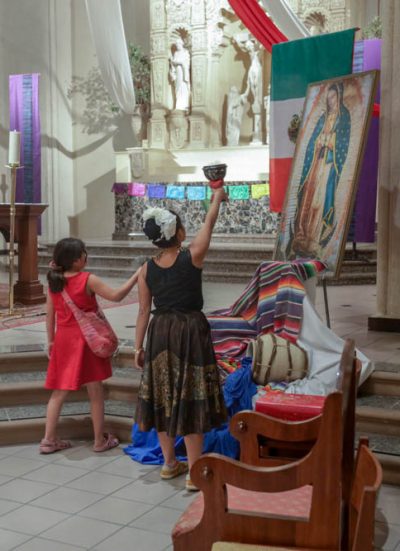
(215,174)
(11,253)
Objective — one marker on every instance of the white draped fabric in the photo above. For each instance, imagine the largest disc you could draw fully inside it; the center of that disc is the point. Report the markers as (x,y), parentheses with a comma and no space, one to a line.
(285,19)
(324,349)
(106,26)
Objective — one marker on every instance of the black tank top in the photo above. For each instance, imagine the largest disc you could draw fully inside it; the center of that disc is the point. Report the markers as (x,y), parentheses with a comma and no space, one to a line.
(177,287)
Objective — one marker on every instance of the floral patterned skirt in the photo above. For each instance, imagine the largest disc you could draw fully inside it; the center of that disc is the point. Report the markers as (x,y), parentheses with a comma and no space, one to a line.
(180,390)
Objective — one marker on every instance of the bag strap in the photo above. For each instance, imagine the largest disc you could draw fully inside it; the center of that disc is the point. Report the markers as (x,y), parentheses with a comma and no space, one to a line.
(290,370)
(77,312)
(70,302)
(274,349)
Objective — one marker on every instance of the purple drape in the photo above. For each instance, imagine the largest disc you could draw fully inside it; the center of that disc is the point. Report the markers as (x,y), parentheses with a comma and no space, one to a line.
(367,56)
(25,117)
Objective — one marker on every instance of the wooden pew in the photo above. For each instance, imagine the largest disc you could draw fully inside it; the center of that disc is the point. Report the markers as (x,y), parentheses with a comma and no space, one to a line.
(365,486)
(240,502)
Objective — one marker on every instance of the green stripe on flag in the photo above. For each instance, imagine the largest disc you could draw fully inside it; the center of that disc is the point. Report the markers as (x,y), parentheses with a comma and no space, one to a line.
(298,62)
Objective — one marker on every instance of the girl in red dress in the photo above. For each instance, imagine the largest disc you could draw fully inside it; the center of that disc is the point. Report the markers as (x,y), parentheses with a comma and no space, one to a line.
(72,364)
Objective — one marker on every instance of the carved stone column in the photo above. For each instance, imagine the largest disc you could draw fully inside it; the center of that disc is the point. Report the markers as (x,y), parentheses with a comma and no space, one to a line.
(388,288)
(198,127)
(158,136)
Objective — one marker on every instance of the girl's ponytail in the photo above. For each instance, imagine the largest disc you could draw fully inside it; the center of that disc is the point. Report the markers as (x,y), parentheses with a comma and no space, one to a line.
(56,278)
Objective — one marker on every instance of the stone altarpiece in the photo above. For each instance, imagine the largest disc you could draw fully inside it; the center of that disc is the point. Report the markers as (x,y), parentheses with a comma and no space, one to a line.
(205,28)
(322,16)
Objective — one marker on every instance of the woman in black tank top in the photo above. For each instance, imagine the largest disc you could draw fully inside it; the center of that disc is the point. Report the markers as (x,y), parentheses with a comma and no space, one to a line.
(180,392)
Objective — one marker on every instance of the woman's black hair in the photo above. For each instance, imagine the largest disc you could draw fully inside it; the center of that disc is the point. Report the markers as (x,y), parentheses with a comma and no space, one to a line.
(66,252)
(153,232)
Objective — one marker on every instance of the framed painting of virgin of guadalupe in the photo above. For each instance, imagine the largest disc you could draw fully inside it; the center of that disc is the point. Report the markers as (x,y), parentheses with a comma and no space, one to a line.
(324,176)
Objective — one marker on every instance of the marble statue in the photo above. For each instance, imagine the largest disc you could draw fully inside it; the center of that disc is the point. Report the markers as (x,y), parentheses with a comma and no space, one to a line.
(253,92)
(179,73)
(267,105)
(234,117)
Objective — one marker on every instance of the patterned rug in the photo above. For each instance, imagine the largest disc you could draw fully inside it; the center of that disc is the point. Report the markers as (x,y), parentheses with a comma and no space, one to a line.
(27,315)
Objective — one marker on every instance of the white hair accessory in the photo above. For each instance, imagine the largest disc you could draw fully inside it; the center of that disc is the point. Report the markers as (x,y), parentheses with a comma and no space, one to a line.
(163,218)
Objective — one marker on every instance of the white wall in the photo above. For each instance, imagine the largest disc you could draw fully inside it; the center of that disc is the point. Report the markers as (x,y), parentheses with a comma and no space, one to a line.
(51,37)
(29,43)
(94,161)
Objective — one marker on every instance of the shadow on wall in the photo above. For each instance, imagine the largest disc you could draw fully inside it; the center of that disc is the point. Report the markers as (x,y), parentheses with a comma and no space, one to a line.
(97,219)
(100,115)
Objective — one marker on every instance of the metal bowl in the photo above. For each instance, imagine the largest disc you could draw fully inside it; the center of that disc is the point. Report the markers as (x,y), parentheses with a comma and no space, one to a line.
(215,172)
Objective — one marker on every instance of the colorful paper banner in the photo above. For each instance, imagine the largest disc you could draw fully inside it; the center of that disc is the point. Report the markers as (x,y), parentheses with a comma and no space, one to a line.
(193,192)
(176,192)
(259,190)
(210,191)
(135,189)
(196,193)
(155,191)
(237,193)
(119,189)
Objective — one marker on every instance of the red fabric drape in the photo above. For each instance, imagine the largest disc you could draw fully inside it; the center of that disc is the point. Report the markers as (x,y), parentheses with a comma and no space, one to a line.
(257,21)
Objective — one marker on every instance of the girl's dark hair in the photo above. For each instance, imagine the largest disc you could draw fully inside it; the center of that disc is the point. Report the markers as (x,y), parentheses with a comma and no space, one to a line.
(153,232)
(65,253)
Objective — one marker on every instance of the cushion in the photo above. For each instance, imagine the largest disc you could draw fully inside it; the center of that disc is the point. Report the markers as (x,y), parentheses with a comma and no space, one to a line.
(293,503)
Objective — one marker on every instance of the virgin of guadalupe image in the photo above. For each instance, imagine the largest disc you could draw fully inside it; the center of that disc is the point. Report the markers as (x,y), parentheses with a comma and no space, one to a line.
(326,153)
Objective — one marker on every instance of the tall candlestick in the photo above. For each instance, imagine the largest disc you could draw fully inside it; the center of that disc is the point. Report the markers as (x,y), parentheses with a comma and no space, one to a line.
(14,148)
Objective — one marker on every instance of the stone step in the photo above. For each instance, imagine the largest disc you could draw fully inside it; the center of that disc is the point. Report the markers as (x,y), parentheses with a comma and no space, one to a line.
(359,278)
(29,393)
(375,413)
(230,259)
(121,408)
(234,248)
(229,273)
(36,361)
(137,256)
(215,262)
(23,405)
(381,443)
(378,420)
(384,383)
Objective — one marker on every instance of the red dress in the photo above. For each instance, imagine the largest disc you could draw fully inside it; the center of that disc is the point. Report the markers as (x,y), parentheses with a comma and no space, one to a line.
(72,363)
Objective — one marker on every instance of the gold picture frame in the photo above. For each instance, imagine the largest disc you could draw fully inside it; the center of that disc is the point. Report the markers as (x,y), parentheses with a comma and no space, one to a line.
(325,170)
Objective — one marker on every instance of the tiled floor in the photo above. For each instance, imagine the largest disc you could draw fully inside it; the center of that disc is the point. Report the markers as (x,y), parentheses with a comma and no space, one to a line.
(80,500)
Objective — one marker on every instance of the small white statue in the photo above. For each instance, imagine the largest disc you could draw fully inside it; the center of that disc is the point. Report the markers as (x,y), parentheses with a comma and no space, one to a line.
(179,73)
(234,116)
(267,104)
(254,84)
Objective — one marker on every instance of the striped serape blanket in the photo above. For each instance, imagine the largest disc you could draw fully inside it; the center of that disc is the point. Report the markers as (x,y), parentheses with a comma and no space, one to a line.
(272,301)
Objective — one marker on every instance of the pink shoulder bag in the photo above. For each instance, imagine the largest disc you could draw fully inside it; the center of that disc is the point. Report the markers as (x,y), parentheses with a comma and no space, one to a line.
(98,333)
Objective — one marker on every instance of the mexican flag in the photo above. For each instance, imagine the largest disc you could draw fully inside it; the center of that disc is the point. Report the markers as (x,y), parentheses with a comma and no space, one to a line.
(295,64)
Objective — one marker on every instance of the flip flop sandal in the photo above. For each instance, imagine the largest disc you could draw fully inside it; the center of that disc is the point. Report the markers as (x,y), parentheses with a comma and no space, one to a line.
(52,446)
(110,441)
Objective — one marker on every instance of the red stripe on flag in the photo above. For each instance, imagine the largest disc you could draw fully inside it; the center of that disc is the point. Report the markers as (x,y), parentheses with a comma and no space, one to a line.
(278,180)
